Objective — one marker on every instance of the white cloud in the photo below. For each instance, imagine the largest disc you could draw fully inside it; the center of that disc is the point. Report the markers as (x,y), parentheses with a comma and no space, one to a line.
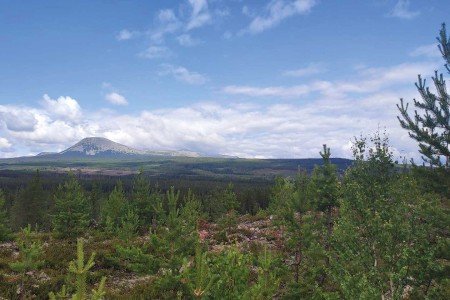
(430,51)
(277,11)
(186,40)
(4,144)
(116,99)
(242,129)
(154,52)
(124,35)
(17,119)
(369,80)
(200,14)
(166,22)
(272,91)
(63,106)
(311,69)
(182,74)
(57,122)
(167,16)
(401,10)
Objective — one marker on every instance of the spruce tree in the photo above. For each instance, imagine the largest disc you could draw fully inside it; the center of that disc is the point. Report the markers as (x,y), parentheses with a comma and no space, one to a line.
(71,215)
(431,128)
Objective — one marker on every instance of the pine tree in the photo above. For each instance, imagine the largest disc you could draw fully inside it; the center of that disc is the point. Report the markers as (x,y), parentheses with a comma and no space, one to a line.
(172,200)
(230,199)
(325,197)
(81,269)
(4,226)
(202,279)
(31,252)
(191,213)
(292,204)
(127,229)
(96,199)
(115,208)
(30,206)
(431,129)
(267,283)
(141,197)
(147,202)
(71,215)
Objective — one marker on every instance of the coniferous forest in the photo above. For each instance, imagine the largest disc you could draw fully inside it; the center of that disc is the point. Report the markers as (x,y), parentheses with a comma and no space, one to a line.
(377,230)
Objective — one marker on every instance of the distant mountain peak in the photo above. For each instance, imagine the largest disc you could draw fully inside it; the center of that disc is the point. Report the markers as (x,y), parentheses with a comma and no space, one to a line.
(93,146)
(103,147)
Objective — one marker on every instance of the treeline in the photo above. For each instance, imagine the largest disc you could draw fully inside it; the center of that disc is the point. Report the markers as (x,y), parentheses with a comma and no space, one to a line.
(31,198)
(380,231)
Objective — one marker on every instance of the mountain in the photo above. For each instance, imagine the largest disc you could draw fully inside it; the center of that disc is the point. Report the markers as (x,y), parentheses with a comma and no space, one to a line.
(98,146)
(102,147)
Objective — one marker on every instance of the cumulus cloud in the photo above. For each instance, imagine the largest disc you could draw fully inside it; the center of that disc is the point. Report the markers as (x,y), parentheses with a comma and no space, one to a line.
(46,128)
(116,99)
(17,119)
(182,74)
(401,10)
(277,11)
(63,106)
(4,144)
(241,129)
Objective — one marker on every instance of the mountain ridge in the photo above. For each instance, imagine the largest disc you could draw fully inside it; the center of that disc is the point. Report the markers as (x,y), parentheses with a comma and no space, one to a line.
(103,147)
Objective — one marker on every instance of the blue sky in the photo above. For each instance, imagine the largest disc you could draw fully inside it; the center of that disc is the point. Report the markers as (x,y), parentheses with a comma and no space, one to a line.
(266,78)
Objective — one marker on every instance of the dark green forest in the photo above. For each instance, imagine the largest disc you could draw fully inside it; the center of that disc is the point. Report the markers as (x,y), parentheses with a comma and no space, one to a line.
(377,229)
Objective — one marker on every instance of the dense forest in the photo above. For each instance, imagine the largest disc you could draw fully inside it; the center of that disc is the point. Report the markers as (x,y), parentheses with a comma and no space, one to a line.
(379,230)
